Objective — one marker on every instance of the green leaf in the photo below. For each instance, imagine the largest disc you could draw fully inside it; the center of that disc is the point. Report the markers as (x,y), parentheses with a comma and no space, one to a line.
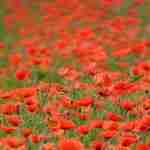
(78,121)
(71,133)
(135,78)
(88,138)
(77,93)
(87,79)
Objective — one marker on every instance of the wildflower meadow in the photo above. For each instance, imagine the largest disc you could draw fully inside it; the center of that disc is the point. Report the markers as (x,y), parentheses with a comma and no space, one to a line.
(74,74)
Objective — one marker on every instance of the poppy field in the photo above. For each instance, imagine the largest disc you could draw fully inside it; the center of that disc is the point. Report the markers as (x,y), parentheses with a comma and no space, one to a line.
(74,74)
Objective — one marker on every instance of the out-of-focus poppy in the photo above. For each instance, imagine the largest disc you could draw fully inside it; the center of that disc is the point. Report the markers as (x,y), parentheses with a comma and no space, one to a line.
(70,144)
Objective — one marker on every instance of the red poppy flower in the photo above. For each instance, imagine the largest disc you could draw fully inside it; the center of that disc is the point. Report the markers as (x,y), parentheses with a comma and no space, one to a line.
(144,123)
(33,107)
(66,124)
(2,45)
(84,102)
(111,2)
(14,120)
(7,95)
(120,147)
(66,102)
(47,146)
(83,129)
(14,142)
(121,52)
(27,92)
(8,108)
(15,58)
(146,104)
(22,74)
(96,123)
(108,133)
(38,138)
(30,101)
(82,116)
(129,126)
(26,132)
(137,71)
(111,125)
(98,145)
(128,140)
(120,88)
(142,147)
(128,105)
(7,129)
(32,50)
(86,33)
(70,144)
(114,117)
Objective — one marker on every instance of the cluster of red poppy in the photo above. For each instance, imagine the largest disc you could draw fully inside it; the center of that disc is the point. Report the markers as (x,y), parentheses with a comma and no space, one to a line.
(75,75)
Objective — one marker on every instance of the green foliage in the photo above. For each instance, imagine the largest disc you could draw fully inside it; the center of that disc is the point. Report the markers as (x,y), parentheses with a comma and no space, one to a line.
(71,133)
(77,94)
(11,83)
(79,121)
(2,27)
(33,120)
(112,64)
(32,146)
(112,107)
(43,98)
(55,78)
(89,137)
(39,75)
(98,114)
(124,8)
(135,78)
(133,96)
(87,79)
